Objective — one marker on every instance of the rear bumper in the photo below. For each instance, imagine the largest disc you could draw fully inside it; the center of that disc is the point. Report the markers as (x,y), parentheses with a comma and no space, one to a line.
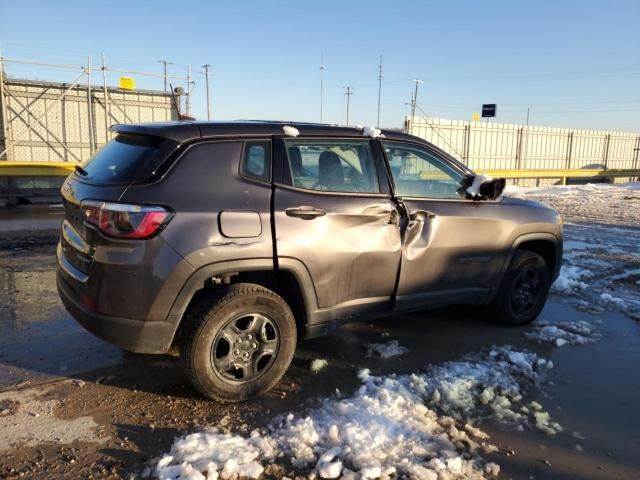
(133,335)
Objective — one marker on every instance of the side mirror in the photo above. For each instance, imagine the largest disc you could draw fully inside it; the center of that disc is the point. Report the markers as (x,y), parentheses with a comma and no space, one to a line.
(492,189)
(488,188)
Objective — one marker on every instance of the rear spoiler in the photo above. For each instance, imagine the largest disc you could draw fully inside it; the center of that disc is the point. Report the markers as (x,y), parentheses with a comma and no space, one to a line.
(178,131)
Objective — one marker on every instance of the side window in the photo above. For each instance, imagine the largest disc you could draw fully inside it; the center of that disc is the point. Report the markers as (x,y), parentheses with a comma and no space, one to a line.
(332,165)
(417,172)
(256,161)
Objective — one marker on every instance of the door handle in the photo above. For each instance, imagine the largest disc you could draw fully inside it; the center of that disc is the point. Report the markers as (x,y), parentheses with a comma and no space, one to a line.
(305,212)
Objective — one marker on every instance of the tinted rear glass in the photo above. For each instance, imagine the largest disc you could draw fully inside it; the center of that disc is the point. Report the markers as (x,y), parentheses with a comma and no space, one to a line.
(127,158)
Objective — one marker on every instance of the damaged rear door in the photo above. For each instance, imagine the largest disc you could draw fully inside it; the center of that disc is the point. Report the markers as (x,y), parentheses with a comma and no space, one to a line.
(452,248)
(334,213)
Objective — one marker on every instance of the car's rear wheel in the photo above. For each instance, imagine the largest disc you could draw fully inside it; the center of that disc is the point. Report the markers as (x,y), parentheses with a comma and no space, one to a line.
(524,290)
(238,343)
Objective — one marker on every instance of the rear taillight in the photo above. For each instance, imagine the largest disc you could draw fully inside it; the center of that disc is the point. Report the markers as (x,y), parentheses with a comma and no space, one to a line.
(121,220)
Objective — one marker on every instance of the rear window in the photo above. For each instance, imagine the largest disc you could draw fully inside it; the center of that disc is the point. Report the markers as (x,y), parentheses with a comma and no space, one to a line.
(127,158)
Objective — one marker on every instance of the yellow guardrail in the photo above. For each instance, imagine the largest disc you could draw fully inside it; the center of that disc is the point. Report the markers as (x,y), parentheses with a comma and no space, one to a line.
(36,169)
(62,169)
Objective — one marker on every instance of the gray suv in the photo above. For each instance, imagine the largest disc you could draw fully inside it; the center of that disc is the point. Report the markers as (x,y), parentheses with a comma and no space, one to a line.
(232,240)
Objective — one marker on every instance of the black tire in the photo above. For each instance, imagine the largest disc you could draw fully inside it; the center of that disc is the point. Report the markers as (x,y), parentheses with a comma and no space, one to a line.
(524,290)
(216,323)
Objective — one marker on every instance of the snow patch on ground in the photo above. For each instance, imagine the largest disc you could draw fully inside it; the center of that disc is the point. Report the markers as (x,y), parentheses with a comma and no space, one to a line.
(560,334)
(386,350)
(601,261)
(318,364)
(570,279)
(419,426)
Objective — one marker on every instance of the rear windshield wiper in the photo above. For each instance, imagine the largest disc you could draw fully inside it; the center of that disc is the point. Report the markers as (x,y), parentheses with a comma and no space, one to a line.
(81,171)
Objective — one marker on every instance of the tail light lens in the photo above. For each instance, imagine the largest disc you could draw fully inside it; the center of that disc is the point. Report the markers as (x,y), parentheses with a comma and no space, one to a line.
(121,220)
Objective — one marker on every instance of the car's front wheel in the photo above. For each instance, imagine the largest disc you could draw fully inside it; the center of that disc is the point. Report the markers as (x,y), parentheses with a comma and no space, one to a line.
(238,343)
(524,290)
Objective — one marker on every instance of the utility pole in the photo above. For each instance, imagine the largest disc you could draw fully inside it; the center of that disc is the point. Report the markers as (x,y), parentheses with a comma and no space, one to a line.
(165,63)
(414,100)
(322,67)
(206,79)
(187,99)
(527,116)
(90,108)
(106,98)
(348,92)
(379,90)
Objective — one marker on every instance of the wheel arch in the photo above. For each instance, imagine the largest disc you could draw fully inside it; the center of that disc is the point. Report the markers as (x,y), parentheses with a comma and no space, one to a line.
(291,281)
(547,245)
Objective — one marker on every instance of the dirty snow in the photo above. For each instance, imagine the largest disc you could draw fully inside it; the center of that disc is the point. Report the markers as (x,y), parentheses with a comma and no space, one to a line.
(566,333)
(33,421)
(318,364)
(570,279)
(601,265)
(386,350)
(421,426)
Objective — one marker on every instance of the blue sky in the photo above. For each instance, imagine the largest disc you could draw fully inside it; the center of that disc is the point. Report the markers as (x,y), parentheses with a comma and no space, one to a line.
(574,63)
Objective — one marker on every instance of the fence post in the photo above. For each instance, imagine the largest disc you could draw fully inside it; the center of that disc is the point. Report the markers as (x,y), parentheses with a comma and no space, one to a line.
(519,147)
(636,161)
(90,107)
(569,150)
(106,99)
(6,147)
(465,142)
(605,154)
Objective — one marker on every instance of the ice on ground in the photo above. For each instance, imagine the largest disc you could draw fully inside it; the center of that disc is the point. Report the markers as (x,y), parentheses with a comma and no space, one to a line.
(608,298)
(392,426)
(566,333)
(386,350)
(570,279)
(318,364)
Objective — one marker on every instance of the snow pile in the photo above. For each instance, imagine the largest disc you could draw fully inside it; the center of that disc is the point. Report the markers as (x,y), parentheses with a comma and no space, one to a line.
(290,131)
(570,279)
(493,385)
(318,364)
(372,132)
(386,350)
(560,334)
(201,456)
(419,426)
